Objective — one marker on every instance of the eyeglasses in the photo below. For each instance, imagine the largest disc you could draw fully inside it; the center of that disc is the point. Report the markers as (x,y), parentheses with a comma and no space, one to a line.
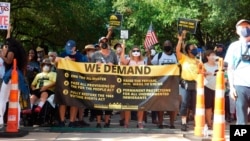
(135,50)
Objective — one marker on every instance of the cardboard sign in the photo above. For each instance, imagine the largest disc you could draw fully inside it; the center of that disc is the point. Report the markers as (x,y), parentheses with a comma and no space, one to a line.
(124,34)
(187,24)
(4,15)
(115,20)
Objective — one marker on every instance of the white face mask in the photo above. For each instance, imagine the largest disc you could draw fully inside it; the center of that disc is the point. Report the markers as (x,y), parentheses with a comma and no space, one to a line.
(51,58)
(136,54)
(46,68)
(153,52)
(118,50)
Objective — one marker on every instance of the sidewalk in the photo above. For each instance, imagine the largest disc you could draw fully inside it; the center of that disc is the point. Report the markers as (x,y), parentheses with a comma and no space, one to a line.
(115,133)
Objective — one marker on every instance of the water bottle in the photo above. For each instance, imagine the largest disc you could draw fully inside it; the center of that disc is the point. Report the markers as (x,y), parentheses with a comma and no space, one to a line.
(205,131)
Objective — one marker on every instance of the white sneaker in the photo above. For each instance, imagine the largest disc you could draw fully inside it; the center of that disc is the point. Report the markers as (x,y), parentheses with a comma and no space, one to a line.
(35,125)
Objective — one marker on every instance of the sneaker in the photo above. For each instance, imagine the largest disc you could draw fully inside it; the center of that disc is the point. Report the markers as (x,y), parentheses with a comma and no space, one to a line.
(184,127)
(121,122)
(140,125)
(72,124)
(83,123)
(106,125)
(61,124)
(98,125)
(171,127)
(27,111)
(35,125)
(91,119)
(126,126)
(38,109)
(161,126)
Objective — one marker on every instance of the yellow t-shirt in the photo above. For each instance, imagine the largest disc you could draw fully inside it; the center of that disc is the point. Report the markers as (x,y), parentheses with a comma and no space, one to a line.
(189,66)
(44,79)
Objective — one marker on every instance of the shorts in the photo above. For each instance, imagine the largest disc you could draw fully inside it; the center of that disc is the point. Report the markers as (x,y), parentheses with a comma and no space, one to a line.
(209,97)
(38,93)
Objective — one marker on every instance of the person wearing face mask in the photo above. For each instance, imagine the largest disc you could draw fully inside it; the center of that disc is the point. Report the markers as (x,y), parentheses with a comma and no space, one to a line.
(211,67)
(166,57)
(105,56)
(71,53)
(189,64)
(89,51)
(42,87)
(238,69)
(52,57)
(118,50)
(150,53)
(135,59)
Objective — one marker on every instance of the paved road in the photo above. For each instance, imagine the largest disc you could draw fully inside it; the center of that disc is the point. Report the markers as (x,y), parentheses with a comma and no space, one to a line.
(115,133)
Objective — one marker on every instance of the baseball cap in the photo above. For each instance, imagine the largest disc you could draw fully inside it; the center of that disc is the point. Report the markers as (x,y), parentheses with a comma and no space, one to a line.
(102,38)
(70,44)
(241,21)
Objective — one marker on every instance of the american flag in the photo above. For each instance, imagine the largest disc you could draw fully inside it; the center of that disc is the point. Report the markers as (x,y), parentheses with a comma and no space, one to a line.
(151,38)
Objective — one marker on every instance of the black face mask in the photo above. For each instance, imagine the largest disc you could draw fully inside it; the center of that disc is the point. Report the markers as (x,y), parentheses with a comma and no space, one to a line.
(167,48)
(104,45)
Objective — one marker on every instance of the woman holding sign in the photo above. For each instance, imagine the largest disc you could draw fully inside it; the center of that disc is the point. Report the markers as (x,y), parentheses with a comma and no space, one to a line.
(189,72)
(135,59)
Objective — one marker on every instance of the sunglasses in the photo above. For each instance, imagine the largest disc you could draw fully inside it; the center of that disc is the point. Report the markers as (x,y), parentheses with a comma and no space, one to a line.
(135,50)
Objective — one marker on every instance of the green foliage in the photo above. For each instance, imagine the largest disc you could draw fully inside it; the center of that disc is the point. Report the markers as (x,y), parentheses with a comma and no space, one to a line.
(50,23)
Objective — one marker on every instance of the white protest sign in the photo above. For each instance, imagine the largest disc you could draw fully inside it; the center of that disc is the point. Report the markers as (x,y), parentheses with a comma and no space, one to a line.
(4,15)
(124,34)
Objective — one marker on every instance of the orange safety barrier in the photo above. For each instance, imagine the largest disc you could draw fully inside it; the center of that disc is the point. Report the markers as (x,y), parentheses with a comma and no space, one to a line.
(12,122)
(200,106)
(219,105)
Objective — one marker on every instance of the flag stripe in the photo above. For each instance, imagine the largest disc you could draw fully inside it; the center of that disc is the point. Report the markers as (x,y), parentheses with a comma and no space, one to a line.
(151,37)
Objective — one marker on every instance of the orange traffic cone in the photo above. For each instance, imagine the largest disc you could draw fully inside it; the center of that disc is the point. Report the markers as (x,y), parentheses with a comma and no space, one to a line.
(200,106)
(219,106)
(12,123)
(12,119)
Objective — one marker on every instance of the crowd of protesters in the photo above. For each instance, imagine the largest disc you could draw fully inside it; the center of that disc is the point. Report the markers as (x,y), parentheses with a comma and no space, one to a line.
(39,69)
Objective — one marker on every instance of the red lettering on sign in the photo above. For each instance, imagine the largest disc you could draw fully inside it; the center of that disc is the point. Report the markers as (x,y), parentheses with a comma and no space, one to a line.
(4,20)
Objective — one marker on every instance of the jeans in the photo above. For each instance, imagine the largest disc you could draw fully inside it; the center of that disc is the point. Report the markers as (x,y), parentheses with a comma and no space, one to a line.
(242,104)
(188,101)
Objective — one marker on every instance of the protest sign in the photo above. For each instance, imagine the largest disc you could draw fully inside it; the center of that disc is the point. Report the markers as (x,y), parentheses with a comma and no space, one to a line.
(4,15)
(115,20)
(118,87)
(124,34)
(189,25)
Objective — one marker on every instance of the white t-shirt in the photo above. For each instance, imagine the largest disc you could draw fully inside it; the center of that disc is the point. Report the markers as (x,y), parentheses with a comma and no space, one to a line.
(164,59)
(210,80)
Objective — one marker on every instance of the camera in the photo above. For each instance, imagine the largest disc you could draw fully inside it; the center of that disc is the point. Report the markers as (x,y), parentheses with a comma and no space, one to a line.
(245,57)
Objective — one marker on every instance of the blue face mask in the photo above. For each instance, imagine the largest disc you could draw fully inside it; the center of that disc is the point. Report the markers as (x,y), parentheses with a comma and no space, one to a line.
(245,32)
(194,51)
(68,50)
